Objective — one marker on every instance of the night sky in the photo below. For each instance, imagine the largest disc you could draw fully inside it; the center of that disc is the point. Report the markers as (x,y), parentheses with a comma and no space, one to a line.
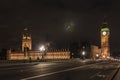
(58,21)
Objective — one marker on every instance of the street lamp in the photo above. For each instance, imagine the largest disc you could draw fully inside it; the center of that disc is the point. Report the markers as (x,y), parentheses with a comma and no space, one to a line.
(97,56)
(103,56)
(42,49)
(83,53)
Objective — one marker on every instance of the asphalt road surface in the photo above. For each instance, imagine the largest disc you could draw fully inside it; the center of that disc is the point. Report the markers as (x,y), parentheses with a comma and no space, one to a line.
(60,71)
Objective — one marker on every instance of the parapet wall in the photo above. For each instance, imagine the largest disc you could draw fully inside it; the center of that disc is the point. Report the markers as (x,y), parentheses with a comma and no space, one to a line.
(34,55)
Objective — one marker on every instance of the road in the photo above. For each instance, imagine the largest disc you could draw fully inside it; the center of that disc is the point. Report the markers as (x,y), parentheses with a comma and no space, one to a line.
(60,71)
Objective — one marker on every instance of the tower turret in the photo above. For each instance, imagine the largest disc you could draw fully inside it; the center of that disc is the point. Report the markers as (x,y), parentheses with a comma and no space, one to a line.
(26,41)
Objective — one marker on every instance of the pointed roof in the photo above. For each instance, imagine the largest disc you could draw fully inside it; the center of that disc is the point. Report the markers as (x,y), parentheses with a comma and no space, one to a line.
(105,20)
(26,31)
(105,26)
(105,23)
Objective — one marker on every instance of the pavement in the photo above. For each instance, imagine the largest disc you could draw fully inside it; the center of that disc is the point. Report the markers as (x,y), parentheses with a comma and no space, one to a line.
(5,63)
(74,70)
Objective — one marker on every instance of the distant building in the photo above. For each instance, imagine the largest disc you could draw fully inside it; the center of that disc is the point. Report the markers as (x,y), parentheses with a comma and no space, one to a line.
(28,53)
(26,42)
(95,52)
(90,51)
(86,51)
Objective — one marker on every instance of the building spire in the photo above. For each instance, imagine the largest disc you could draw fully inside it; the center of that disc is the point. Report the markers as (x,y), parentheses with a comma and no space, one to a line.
(105,20)
(104,23)
(25,29)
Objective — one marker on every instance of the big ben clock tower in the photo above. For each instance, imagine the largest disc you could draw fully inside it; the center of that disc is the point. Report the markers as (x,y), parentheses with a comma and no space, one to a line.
(105,34)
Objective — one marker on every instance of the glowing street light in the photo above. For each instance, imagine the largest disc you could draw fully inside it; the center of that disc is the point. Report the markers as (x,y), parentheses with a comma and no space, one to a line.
(83,53)
(42,49)
(97,55)
(103,56)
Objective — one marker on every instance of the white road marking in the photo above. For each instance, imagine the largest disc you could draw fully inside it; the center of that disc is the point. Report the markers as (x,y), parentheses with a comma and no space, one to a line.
(47,74)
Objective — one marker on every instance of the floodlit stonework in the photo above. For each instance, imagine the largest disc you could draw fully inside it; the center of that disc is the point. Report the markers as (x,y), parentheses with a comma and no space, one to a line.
(28,53)
(36,55)
(95,52)
(105,35)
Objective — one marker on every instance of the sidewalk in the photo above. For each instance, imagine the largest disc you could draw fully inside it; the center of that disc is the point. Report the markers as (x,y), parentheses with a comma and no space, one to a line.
(117,76)
(15,64)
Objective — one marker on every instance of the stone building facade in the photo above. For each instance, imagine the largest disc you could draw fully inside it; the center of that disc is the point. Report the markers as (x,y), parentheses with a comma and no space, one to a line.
(96,52)
(28,53)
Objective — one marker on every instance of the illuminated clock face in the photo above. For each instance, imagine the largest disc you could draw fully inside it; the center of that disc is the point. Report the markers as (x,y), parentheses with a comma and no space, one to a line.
(104,33)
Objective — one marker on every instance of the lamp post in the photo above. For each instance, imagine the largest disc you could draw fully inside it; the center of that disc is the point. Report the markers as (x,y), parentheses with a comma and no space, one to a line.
(83,54)
(42,50)
(97,56)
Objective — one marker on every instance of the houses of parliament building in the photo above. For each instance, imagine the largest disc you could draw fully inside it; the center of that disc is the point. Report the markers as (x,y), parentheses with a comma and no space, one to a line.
(95,52)
(28,53)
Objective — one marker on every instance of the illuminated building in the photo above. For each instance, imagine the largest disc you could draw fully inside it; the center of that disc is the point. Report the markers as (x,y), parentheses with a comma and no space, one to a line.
(105,35)
(95,52)
(26,42)
(27,52)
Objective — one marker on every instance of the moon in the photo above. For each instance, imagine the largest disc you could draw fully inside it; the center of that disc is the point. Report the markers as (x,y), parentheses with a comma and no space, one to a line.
(69,27)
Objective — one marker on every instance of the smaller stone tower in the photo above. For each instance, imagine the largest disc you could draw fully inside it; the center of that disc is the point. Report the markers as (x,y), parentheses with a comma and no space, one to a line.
(26,42)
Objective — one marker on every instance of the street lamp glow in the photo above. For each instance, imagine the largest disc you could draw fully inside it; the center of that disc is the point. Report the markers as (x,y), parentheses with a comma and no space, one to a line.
(97,55)
(83,53)
(103,56)
(83,47)
(42,48)
(108,57)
